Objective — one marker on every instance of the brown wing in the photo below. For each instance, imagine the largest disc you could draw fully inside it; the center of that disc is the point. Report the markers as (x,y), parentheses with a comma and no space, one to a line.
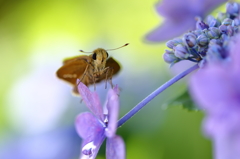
(73,69)
(112,63)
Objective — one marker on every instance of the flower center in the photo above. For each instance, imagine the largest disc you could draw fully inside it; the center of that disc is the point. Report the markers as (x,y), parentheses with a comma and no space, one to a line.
(106,119)
(88,149)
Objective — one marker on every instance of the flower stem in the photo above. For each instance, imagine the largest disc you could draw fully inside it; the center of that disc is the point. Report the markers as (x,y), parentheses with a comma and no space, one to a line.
(140,105)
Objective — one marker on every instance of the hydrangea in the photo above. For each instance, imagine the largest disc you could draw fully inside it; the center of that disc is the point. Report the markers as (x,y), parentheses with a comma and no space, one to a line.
(209,42)
(215,46)
(94,127)
(180,17)
(216,88)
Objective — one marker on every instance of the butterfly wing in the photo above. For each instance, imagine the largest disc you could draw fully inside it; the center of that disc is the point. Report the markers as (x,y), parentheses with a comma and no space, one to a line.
(73,69)
(112,63)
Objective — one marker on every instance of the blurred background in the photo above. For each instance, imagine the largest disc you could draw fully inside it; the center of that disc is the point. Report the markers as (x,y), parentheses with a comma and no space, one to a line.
(37,110)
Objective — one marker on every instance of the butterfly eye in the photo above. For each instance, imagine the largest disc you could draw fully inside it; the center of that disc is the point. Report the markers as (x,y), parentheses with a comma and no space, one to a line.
(94,56)
(107,54)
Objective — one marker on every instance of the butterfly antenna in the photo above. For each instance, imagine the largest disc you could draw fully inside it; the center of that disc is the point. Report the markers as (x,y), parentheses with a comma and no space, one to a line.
(108,49)
(84,51)
(118,47)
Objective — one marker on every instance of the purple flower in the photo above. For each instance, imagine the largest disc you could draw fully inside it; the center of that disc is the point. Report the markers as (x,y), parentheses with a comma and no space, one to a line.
(180,17)
(216,88)
(94,128)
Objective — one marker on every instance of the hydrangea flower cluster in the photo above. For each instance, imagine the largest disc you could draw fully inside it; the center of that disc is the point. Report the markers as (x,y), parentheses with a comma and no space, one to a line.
(209,42)
(216,89)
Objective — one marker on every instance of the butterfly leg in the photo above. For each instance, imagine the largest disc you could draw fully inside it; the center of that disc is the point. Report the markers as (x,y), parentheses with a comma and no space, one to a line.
(94,81)
(108,71)
(84,74)
(110,77)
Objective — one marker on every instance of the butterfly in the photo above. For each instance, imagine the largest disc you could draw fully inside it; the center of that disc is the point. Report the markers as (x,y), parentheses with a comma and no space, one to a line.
(90,69)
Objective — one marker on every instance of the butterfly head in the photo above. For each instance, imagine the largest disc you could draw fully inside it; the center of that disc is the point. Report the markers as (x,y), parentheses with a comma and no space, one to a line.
(99,58)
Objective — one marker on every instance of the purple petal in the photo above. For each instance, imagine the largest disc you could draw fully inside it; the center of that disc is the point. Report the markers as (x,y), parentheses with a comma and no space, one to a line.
(223,124)
(175,9)
(227,147)
(90,149)
(88,126)
(115,148)
(224,130)
(113,109)
(210,5)
(116,89)
(91,100)
(169,30)
(216,89)
(180,17)
(92,131)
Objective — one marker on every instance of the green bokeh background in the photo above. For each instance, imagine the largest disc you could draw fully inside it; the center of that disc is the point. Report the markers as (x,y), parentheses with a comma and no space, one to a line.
(53,30)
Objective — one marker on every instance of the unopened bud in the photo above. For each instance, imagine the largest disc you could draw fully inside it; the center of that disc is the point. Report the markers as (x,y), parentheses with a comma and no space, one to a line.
(228,30)
(232,9)
(236,22)
(201,25)
(215,42)
(213,33)
(223,28)
(169,56)
(190,39)
(172,43)
(181,52)
(227,21)
(202,40)
(212,22)
(197,32)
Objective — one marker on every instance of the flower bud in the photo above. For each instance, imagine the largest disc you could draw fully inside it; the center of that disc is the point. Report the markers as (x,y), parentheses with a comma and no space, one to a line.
(223,29)
(214,42)
(232,9)
(169,56)
(212,22)
(201,25)
(215,53)
(202,51)
(236,22)
(202,40)
(227,21)
(190,39)
(236,29)
(213,33)
(197,32)
(225,38)
(181,52)
(172,43)
(228,30)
